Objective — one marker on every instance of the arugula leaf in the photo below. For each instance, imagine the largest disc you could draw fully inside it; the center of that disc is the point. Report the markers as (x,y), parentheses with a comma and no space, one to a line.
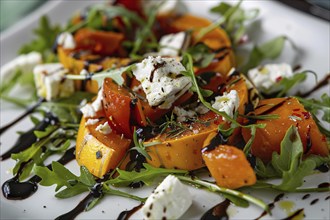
(67,109)
(140,147)
(289,164)
(148,175)
(235,21)
(115,74)
(269,50)
(202,55)
(286,84)
(315,106)
(188,64)
(203,31)
(45,37)
(59,175)
(71,191)
(32,152)
(233,195)
(86,177)
(144,36)
(62,177)
(18,81)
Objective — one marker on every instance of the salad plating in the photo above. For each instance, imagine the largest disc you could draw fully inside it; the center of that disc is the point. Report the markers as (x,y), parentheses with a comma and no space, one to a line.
(171,100)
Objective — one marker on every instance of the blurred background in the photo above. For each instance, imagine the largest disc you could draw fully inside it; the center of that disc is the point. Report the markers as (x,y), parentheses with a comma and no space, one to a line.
(12,11)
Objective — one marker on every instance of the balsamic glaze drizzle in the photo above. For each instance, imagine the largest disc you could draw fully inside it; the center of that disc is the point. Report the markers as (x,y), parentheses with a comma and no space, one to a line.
(26,113)
(271,205)
(13,189)
(125,215)
(319,85)
(217,212)
(95,193)
(28,138)
(83,204)
(216,141)
(296,213)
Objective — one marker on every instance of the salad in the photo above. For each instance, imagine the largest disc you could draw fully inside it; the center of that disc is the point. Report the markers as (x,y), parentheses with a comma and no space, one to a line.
(147,97)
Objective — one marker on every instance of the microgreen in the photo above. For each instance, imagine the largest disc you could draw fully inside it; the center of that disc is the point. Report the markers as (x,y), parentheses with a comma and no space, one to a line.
(171,127)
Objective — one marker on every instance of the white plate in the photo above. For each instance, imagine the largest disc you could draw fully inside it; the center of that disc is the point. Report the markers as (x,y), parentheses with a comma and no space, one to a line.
(310,34)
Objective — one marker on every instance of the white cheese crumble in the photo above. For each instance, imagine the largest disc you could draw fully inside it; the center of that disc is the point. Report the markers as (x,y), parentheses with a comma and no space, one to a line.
(24,63)
(264,77)
(182,114)
(171,44)
(51,82)
(66,40)
(170,200)
(202,109)
(104,128)
(227,103)
(164,7)
(161,80)
(90,109)
(91,121)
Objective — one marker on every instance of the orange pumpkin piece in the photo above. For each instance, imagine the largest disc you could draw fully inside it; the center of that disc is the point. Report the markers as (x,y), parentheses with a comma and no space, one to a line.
(183,151)
(99,152)
(228,165)
(291,112)
(75,65)
(216,39)
(99,42)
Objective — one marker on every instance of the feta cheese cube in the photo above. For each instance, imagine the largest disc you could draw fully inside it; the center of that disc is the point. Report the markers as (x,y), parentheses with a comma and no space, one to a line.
(24,63)
(66,40)
(172,43)
(264,77)
(170,200)
(90,109)
(227,103)
(161,80)
(50,81)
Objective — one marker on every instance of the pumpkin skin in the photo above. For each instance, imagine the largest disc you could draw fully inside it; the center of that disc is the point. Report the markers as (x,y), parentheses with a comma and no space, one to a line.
(291,112)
